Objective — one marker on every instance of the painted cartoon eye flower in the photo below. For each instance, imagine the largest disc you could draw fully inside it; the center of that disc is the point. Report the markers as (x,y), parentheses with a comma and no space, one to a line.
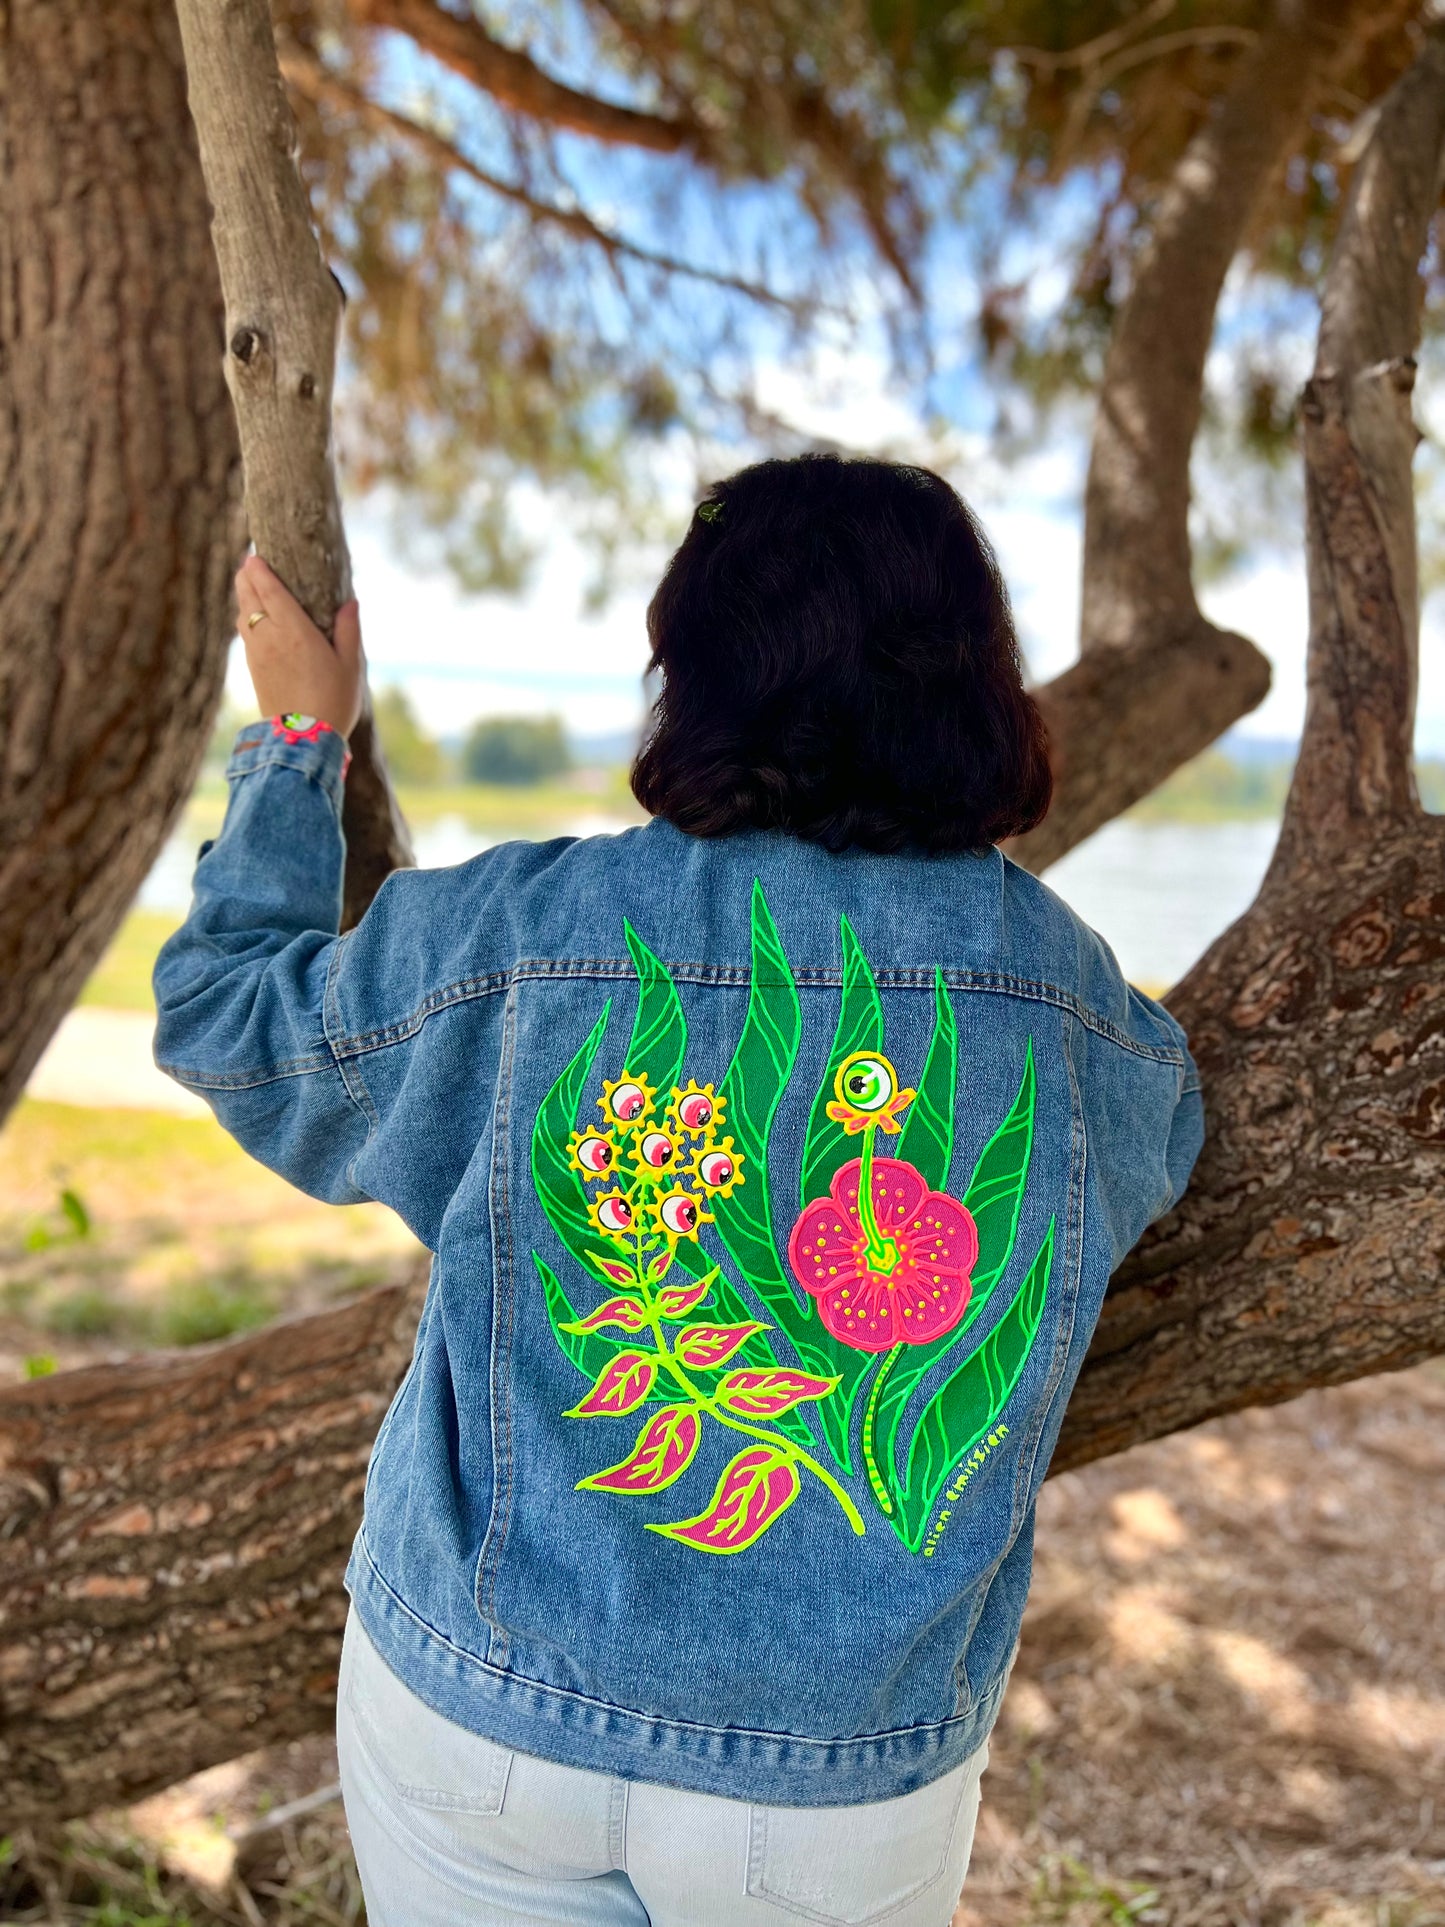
(680,1215)
(612,1213)
(626,1102)
(655,1152)
(866,1092)
(591,1153)
(929,1245)
(718,1168)
(696,1108)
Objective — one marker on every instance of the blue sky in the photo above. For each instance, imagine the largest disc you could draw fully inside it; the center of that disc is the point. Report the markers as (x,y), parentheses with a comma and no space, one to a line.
(461,657)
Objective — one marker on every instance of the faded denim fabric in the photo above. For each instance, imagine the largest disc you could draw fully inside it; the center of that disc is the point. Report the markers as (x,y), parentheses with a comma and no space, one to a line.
(451,1829)
(748,1530)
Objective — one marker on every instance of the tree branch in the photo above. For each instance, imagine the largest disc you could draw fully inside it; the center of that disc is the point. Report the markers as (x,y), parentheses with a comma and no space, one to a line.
(460,42)
(1360,439)
(1307,1250)
(309,77)
(283,314)
(1138,577)
(1119,728)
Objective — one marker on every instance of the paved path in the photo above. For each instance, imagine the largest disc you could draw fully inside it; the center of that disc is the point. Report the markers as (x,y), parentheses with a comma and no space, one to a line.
(103,1058)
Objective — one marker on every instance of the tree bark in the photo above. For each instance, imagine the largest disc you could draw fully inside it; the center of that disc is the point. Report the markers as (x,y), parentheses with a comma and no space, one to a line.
(171,1530)
(283,316)
(119,488)
(1156,682)
(172,1534)
(1310,1247)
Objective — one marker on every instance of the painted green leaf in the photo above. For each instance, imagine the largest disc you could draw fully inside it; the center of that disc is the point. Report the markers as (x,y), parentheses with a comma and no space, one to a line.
(995,1192)
(751,1090)
(860,1027)
(659,1030)
(559,1188)
(995,1197)
(927,1138)
(970,1403)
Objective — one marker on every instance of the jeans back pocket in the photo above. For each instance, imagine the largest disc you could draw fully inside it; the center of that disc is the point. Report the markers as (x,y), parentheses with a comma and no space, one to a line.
(853,1866)
(427,1760)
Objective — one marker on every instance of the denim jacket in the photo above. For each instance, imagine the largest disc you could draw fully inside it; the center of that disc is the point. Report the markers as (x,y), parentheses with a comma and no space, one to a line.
(772,1194)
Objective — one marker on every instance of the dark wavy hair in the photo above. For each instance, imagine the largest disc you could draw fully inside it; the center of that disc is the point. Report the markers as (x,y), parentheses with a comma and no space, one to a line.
(838,660)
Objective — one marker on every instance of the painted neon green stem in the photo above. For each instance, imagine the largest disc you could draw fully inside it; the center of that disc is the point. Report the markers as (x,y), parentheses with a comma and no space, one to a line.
(875,1477)
(881,1252)
(782,1445)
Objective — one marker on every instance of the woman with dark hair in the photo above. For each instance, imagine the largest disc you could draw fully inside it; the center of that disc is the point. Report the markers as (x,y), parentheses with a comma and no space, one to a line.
(774,1157)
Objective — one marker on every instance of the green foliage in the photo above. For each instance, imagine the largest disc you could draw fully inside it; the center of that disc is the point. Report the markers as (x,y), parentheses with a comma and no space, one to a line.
(505,324)
(516,751)
(412,755)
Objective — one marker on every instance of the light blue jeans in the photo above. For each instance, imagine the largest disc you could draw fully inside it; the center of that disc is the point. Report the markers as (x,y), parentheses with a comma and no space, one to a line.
(451,1830)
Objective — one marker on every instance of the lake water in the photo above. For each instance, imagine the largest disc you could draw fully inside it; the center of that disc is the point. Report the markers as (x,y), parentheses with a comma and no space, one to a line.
(1158,892)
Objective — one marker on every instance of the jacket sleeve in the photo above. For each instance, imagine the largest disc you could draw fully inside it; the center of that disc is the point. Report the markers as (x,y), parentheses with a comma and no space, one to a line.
(1186,1129)
(241,987)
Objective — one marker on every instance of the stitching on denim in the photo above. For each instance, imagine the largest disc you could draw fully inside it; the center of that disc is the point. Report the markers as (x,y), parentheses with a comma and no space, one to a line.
(763,1891)
(357,1092)
(823,977)
(328,781)
(252,1080)
(489,1558)
(506,1676)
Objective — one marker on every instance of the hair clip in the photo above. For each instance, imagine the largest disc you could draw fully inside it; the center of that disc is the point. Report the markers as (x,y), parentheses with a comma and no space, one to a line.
(709,511)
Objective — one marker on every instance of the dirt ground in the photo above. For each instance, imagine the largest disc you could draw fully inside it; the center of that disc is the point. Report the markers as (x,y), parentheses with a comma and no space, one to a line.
(1228,1710)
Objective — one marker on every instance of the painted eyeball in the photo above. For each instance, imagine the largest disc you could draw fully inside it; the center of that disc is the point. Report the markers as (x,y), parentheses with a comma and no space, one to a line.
(679,1214)
(695,1110)
(595,1154)
(614,1213)
(866,1083)
(715,1169)
(628,1102)
(657,1149)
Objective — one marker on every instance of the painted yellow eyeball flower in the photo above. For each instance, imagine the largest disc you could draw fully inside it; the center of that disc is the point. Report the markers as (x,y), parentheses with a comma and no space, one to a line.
(655,1153)
(696,1108)
(592,1153)
(717,1167)
(866,1092)
(612,1214)
(627,1101)
(679,1214)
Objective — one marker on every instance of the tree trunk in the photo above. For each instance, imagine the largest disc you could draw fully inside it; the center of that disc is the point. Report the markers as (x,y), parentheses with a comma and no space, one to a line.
(119,488)
(171,1530)
(283,316)
(1310,1247)
(172,1534)
(1156,682)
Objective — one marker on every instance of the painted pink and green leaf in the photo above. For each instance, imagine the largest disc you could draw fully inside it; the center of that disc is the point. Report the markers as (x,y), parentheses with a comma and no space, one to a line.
(665,1448)
(753,1493)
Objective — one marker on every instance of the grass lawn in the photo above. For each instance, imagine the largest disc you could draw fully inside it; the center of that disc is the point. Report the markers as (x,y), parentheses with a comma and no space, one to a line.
(129,1228)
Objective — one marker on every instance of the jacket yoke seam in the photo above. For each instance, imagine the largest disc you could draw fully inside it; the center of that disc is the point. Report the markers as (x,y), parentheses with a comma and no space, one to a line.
(825,977)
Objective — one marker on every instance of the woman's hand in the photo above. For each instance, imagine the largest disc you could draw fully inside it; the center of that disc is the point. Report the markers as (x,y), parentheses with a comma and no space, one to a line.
(292,664)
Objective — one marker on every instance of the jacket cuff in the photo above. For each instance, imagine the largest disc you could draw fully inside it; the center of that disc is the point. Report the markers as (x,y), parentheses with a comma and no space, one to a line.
(301,743)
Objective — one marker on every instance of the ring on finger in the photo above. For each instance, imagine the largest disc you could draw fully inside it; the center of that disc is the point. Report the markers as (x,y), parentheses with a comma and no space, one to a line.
(258,615)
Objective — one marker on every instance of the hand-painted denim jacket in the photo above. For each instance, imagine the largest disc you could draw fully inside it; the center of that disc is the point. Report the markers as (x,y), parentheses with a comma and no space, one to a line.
(773,1193)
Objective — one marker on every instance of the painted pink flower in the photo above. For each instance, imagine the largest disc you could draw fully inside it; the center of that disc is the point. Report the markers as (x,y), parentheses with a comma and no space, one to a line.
(912,1291)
